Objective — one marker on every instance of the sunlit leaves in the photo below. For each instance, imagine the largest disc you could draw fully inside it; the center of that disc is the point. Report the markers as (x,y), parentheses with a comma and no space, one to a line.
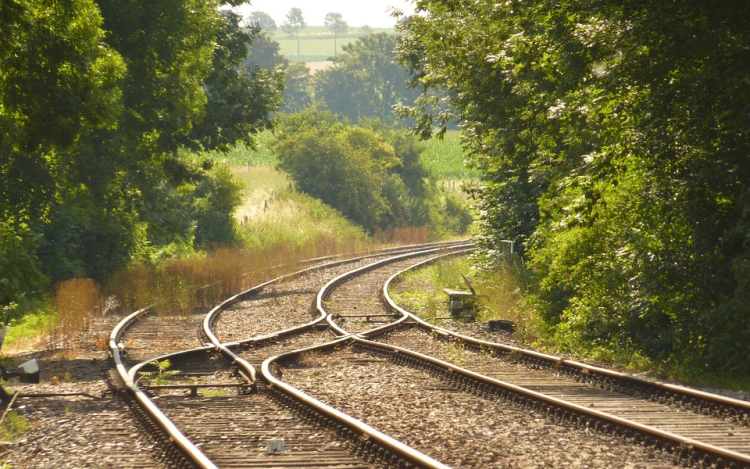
(614,141)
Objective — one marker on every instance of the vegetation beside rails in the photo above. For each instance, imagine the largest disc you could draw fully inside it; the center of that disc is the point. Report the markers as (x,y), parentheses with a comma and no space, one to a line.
(12,426)
(499,293)
(502,294)
(445,158)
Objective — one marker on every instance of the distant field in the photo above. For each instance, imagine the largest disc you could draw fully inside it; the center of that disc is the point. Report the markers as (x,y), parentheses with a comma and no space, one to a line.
(446,158)
(316,43)
(443,158)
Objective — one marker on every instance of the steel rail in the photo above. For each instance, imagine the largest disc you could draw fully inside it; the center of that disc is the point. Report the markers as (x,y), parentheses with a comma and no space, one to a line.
(185,446)
(325,292)
(726,405)
(226,348)
(707,453)
(579,415)
(175,436)
(389,449)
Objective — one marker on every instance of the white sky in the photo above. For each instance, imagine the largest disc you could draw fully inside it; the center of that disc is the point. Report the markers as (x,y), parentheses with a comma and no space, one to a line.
(373,13)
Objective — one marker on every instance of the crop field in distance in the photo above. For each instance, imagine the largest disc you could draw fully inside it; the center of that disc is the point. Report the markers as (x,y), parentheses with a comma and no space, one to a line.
(316,43)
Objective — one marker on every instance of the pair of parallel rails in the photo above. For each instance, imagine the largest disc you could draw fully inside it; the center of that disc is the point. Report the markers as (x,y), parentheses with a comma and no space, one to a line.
(379,449)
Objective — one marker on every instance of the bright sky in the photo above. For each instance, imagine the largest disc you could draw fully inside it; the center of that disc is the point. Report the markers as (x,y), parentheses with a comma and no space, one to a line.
(373,13)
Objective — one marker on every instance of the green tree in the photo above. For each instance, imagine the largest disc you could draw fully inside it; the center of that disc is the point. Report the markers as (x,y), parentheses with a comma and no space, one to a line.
(364,81)
(298,90)
(90,175)
(371,173)
(58,81)
(241,98)
(335,22)
(613,155)
(265,53)
(293,23)
(264,21)
(341,165)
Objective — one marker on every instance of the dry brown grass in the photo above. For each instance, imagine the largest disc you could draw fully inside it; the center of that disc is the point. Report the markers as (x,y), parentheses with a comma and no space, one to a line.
(178,287)
(402,235)
(76,302)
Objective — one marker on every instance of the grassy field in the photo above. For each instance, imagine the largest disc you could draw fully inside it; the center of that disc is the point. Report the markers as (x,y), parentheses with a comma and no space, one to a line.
(273,213)
(316,43)
(445,158)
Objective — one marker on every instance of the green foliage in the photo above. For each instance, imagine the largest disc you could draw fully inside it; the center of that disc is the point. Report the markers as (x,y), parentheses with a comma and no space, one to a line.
(446,159)
(56,77)
(163,374)
(293,23)
(298,90)
(90,175)
(265,53)
(341,165)
(364,81)
(264,21)
(21,273)
(298,220)
(214,202)
(32,323)
(611,141)
(241,97)
(372,174)
(13,426)
(335,22)
(242,155)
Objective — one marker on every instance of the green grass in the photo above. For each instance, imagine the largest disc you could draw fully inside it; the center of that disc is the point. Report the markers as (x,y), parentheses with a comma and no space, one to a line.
(291,219)
(13,426)
(424,295)
(446,158)
(499,293)
(317,43)
(29,330)
(272,212)
(241,155)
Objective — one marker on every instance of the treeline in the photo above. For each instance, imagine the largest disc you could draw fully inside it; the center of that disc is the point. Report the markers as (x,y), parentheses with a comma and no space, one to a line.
(341,141)
(97,97)
(614,140)
(372,173)
(112,115)
(364,81)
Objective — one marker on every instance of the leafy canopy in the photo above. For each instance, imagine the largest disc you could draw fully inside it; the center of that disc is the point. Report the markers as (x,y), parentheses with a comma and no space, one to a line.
(613,140)
(335,22)
(293,23)
(91,176)
(264,21)
(364,81)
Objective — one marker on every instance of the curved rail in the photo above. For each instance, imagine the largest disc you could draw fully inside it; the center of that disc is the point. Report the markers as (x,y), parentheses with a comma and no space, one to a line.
(366,438)
(729,407)
(185,446)
(181,443)
(325,292)
(213,315)
(685,447)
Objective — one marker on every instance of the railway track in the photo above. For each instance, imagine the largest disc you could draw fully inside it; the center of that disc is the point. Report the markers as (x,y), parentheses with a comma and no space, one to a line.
(702,428)
(505,407)
(216,416)
(677,424)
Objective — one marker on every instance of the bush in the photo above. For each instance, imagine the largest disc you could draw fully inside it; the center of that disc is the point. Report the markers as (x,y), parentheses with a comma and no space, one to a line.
(21,273)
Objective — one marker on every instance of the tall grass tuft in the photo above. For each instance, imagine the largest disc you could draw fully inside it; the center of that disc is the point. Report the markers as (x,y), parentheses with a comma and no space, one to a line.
(76,301)
(402,235)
